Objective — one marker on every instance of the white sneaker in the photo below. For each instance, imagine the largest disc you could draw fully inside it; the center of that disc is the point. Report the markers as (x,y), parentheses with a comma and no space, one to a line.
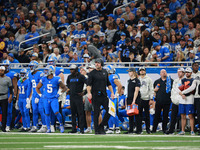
(52,129)
(34,129)
(117,131)
(110,131)
(43,129)
(88,130)
(7,128)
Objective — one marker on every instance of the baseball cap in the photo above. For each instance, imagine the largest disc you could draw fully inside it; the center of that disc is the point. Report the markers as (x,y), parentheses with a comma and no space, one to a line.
(150,16)
(2,68)
(191,40)
(34,55)
(83,36)
(111,15)
(182,39)
(139,25)
(128,40)
(155,44)
(55,36)
(142,19)
(162,28)
(77,36)
(188,69)
(142,68)
(131,70)
(109,47)
(123,34)
(31,12)
(95,20)
(27,21)
(96,36)
(83,43)
(86,56)
(137,36)
(101,34)
(147,29)
(181,69)
(11,55)
(173,21)
(73,23)
(73,67)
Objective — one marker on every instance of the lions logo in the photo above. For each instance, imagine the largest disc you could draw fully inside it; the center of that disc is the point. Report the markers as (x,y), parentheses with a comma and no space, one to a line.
(143,83)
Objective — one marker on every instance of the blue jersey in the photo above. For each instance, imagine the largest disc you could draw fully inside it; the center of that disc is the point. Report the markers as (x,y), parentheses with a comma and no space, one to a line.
(59,70)
(24,89)
(112,78)
(11,75)
(51,86)
(119,43)
(67,102)
(35,79)
(121,101)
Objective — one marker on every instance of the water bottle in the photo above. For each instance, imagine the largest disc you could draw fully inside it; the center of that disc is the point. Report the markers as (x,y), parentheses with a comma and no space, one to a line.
(129,107)
(158,86)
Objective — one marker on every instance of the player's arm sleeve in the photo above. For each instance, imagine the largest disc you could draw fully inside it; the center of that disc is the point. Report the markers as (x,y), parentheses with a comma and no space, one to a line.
(191,88)
(29,88)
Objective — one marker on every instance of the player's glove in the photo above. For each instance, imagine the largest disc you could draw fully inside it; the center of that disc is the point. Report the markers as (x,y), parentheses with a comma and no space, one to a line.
(16,105)
(28,103)
(58,94)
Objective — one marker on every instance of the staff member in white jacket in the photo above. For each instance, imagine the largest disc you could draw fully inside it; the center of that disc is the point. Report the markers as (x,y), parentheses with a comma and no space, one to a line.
(146,91)
(175,97)
(195,84)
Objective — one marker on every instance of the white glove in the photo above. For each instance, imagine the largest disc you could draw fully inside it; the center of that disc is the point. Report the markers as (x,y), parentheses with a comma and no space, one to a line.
(152,111)
(37,100)
(28,103)
(16,105)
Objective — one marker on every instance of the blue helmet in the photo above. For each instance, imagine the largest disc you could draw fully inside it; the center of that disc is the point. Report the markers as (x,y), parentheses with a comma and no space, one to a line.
(6,64)
(48,70)
(110,69)
(23,73)
(33,65)
(52,60)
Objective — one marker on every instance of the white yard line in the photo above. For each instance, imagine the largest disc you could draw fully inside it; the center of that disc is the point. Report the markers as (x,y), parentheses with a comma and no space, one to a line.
(100,142)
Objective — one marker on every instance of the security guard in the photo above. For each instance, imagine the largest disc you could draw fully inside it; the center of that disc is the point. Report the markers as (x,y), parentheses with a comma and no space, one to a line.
(97,82)
(75,83)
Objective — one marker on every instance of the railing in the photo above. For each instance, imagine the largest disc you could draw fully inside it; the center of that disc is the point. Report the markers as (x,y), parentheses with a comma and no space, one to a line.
(32,39)
(120,7)
(32,46)
(68,28)
(117,64)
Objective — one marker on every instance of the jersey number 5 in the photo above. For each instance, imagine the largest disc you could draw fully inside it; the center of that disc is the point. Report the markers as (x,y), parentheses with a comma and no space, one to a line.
(49,88)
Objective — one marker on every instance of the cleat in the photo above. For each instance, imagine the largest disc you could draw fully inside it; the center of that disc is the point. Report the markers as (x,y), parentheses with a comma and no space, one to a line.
(52,129)
(23,130)
(181,133)
(88,130)
(192,133)
(110,131)
(62,129)
(43,129)
(7,128)
(48,131)
(117,131)
(34,129)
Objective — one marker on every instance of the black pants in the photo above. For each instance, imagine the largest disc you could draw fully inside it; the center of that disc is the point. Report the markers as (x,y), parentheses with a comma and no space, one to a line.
(158,110)
(197,109)
(97,101)
(173,117)
(145,105)
(138,118)
(4,108)
(76,103)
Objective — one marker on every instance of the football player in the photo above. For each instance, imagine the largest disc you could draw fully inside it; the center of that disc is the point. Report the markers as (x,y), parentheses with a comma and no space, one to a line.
(51,93)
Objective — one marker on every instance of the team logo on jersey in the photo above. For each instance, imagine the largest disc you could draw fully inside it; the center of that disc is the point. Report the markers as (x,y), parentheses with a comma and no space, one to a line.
(143,83)
(133,81)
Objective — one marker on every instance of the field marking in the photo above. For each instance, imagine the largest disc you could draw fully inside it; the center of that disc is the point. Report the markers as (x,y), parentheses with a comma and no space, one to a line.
(99,142)
(117,147)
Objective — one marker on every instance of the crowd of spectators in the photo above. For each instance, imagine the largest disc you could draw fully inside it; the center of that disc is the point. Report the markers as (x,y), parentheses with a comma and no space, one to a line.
(143,31)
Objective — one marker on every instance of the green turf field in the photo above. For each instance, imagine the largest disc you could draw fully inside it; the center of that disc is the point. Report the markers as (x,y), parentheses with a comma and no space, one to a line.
(14,140)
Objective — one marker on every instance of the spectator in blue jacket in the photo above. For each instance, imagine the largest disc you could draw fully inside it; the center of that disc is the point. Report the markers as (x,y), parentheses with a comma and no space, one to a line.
(93,11)
(30,35)
(12,59)
(173,5)
(12,45)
